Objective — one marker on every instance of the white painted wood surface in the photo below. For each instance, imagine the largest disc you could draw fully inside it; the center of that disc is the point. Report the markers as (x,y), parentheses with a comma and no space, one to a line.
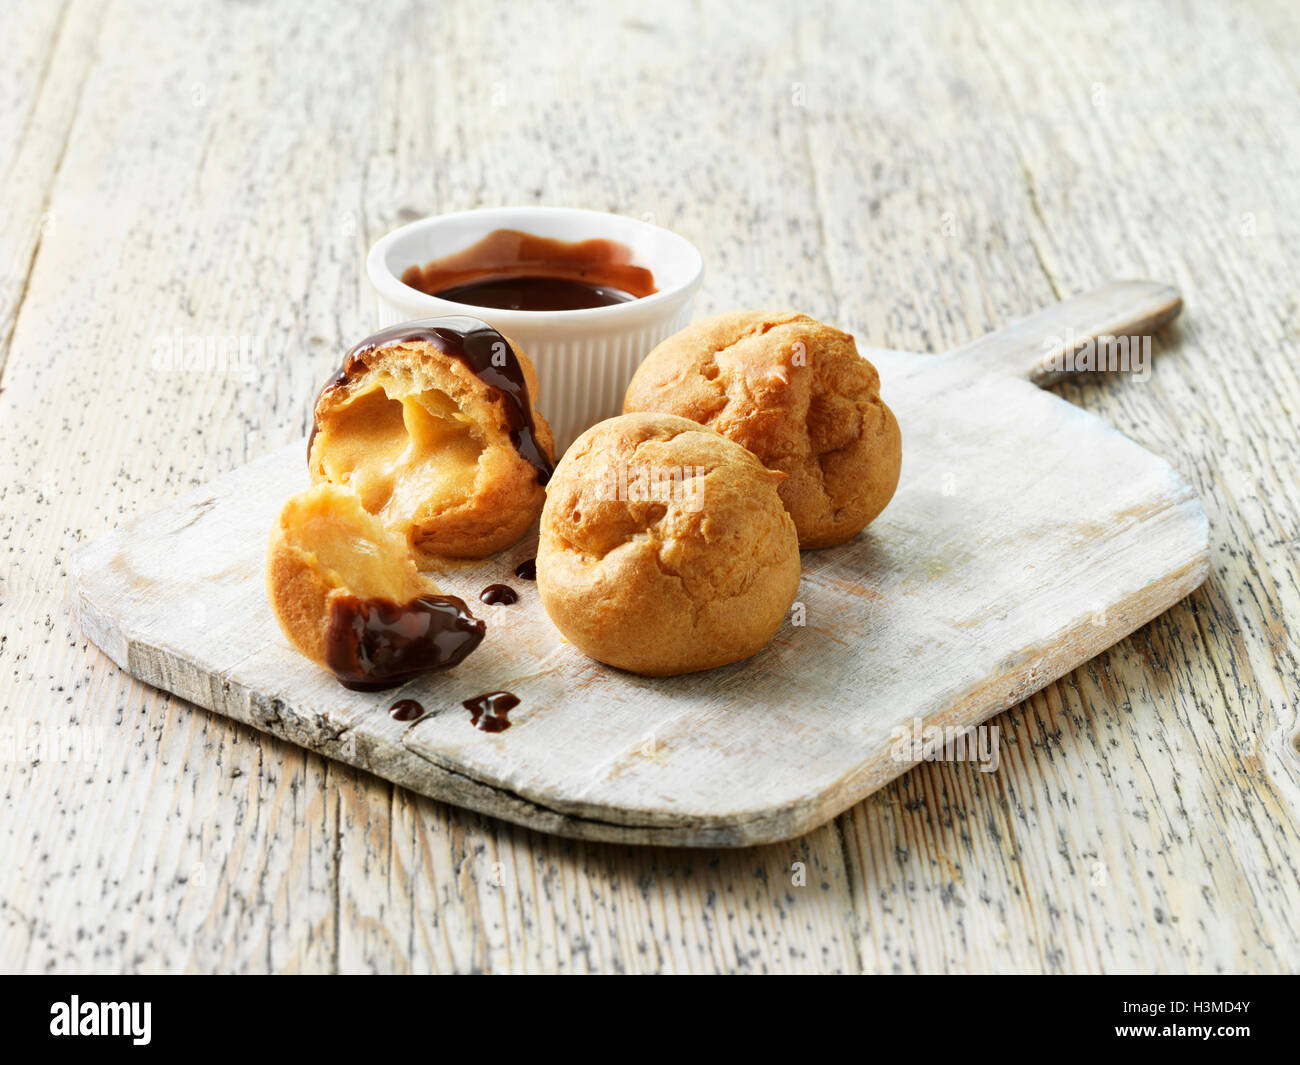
(1025,537)
(919,177)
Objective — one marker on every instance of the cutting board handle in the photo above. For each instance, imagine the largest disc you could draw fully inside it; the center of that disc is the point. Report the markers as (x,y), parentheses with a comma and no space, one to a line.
(1040,348)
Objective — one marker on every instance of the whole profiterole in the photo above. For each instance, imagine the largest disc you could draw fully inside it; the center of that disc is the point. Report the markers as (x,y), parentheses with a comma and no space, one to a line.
(797,394)
(664,547)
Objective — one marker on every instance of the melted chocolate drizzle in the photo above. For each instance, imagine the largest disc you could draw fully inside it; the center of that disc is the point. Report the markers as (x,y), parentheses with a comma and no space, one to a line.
(527,570)
(499,595)
(406,710)
(372,644)
(489,712)
(484,351)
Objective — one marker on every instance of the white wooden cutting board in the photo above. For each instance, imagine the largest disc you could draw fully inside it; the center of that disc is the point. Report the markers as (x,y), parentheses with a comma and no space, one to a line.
(1026,536)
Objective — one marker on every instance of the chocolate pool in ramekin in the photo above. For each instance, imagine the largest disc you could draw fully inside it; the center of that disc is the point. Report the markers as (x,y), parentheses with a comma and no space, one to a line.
(516,271)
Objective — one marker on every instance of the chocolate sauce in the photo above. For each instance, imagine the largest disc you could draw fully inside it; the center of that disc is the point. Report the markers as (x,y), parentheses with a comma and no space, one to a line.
(487,354)
(531,293)
(499,595)
(372,644)
(489,712)
(406,710)
(512,270)
(527,570)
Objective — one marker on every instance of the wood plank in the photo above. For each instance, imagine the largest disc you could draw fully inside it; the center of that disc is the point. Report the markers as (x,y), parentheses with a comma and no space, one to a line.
(920,117)
(48,49)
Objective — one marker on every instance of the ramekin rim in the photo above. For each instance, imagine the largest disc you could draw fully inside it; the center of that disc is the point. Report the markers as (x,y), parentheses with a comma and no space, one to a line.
(391,288)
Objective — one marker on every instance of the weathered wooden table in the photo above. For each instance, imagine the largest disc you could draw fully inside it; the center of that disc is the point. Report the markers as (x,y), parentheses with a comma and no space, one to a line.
(174,172)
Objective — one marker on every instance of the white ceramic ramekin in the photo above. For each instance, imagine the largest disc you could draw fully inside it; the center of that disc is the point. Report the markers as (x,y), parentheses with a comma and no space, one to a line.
(585,358)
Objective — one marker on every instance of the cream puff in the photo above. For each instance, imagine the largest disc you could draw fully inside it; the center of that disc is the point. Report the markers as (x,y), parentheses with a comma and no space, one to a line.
(347,595)
(797,394)
(433,425)
(664,547)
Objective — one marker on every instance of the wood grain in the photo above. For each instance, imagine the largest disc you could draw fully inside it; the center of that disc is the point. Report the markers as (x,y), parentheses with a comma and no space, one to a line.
(920,177)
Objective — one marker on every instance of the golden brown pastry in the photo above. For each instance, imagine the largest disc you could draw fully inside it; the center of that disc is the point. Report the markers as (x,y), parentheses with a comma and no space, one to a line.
(348,596)
(432,424)
(664,547)
(798,395)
